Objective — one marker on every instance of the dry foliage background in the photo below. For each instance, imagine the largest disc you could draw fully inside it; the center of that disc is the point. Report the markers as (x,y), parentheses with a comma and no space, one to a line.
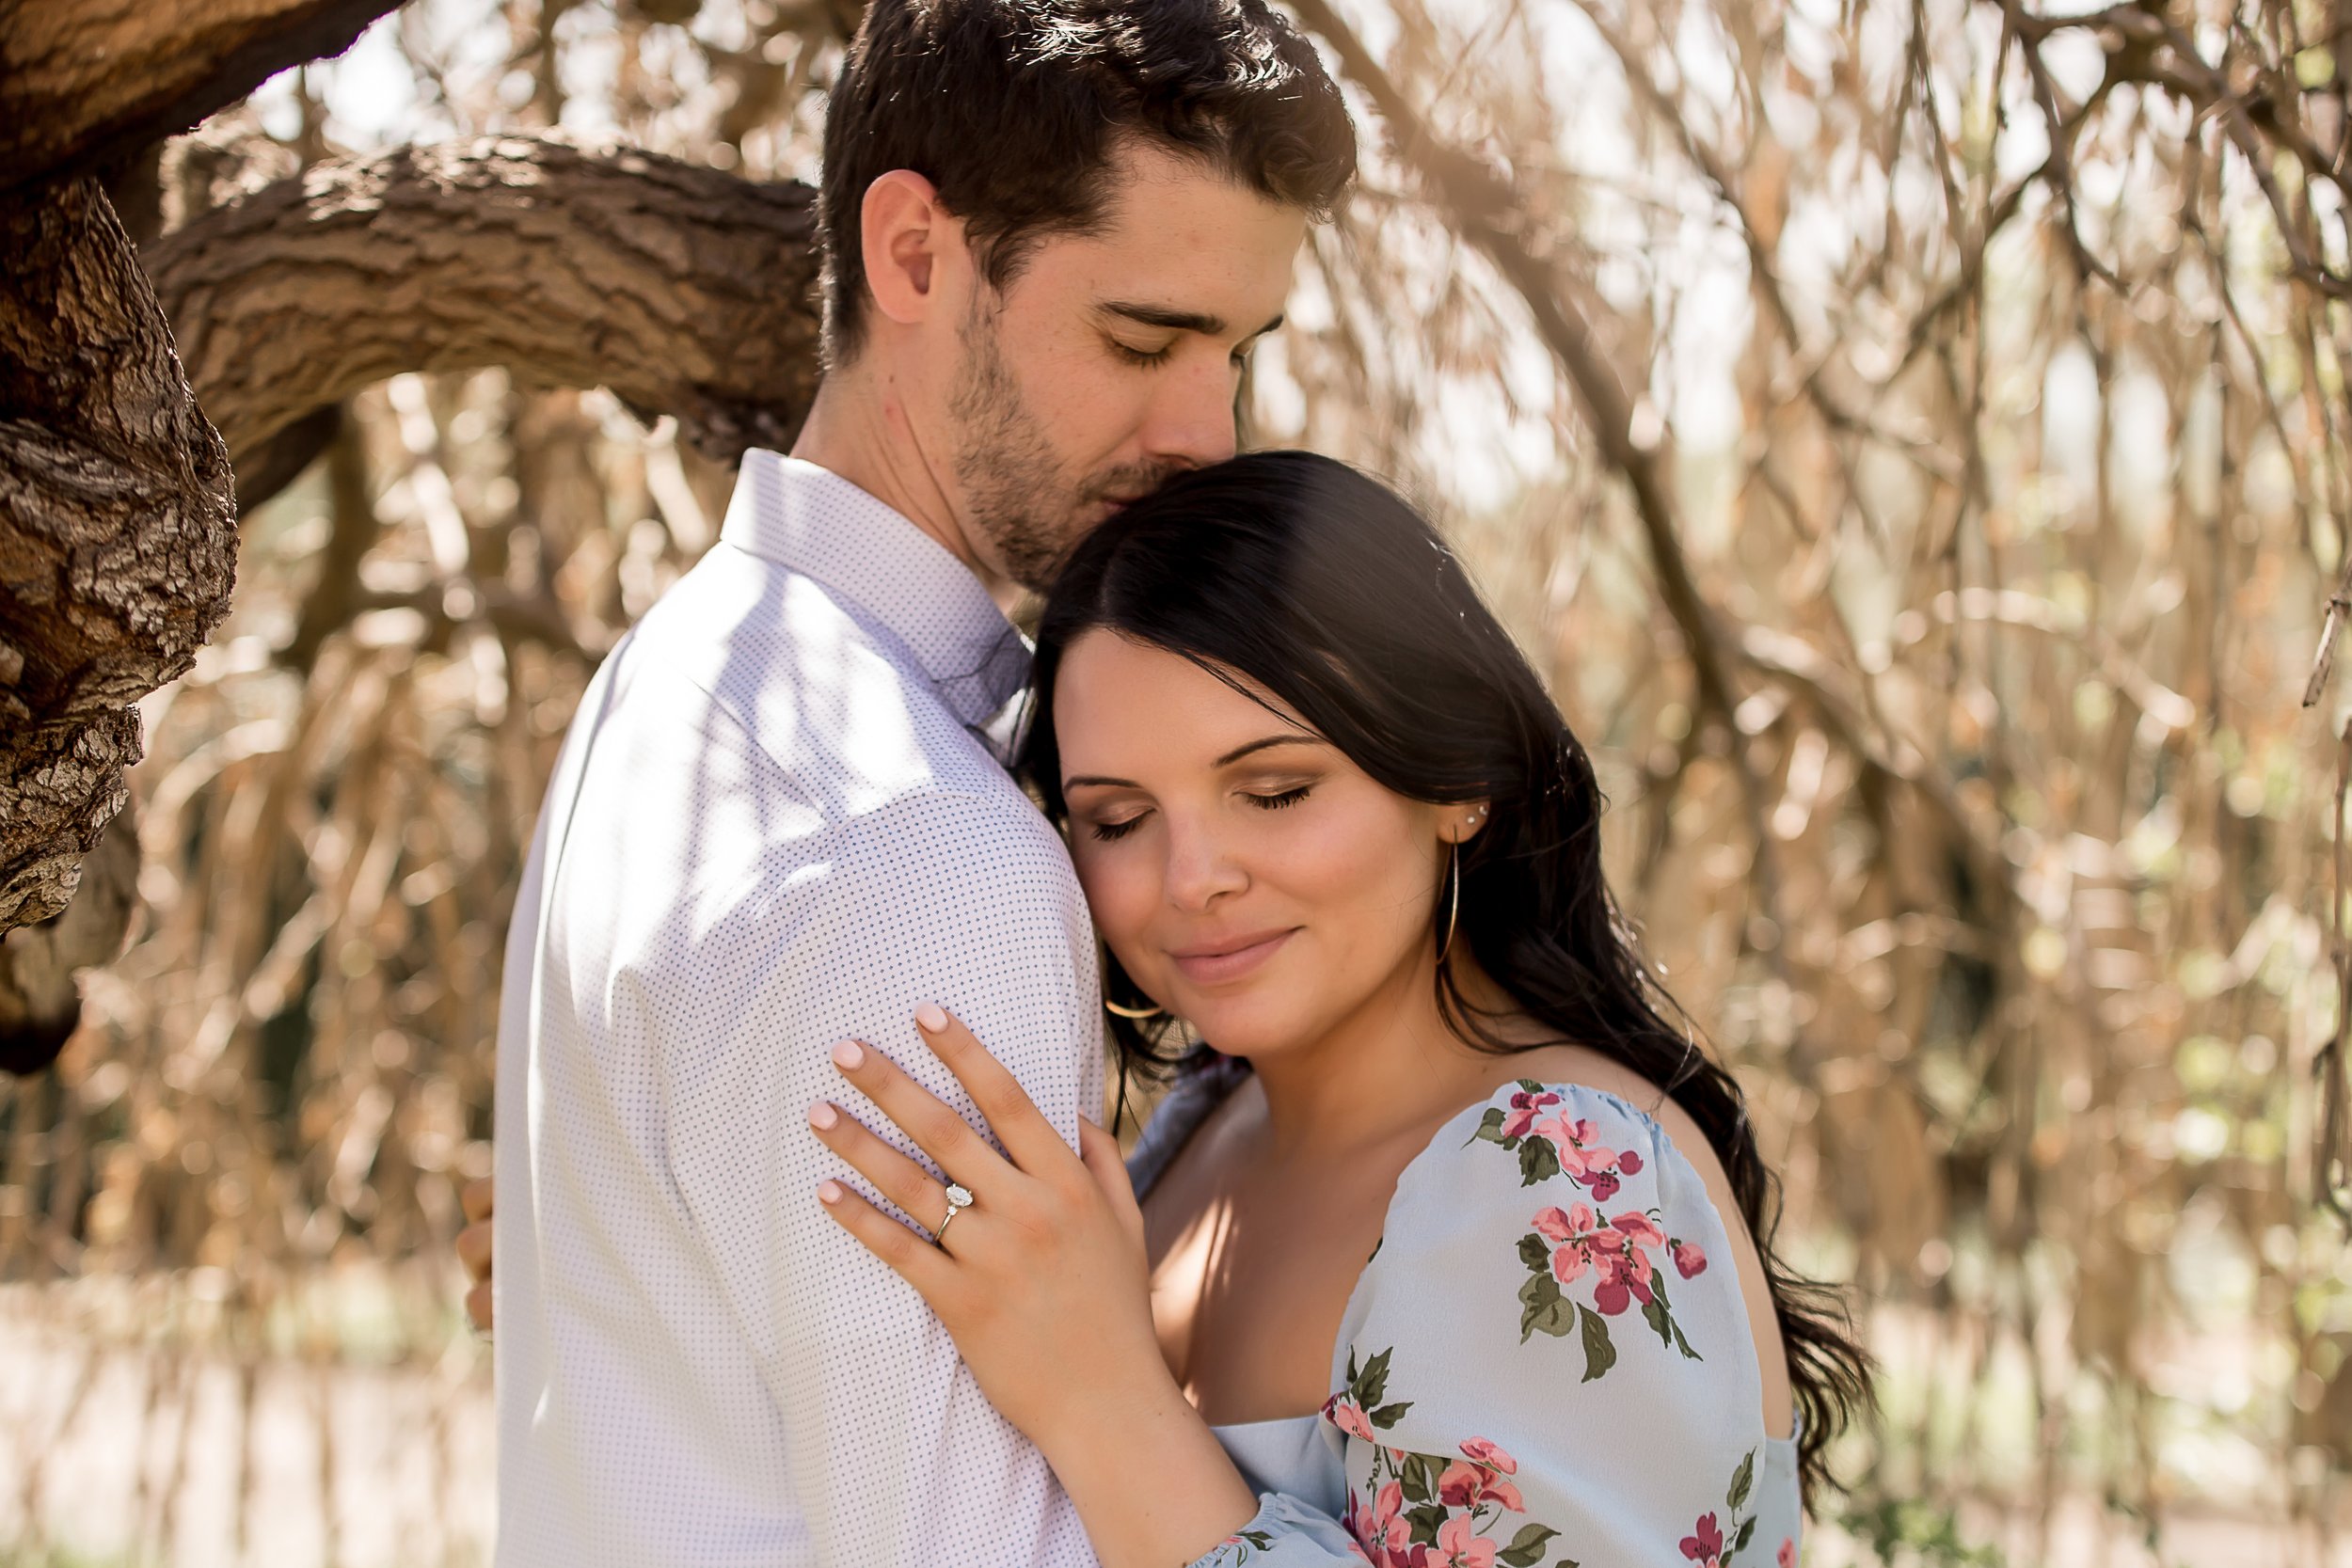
(1911,436)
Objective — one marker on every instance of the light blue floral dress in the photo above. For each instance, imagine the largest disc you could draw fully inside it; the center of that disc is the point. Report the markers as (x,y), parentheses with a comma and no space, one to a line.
(1546,1362)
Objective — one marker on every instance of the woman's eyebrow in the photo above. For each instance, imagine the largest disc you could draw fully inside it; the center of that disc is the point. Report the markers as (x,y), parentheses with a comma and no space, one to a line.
(1293,738)
(1100,781)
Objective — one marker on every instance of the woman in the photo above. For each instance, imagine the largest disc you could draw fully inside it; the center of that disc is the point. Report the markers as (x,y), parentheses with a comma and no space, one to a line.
(1448,1251)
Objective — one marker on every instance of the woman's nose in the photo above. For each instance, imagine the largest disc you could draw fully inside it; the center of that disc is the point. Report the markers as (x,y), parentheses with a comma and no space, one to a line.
(1200,869)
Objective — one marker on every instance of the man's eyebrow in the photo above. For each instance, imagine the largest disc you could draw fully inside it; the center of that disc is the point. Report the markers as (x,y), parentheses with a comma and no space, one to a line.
(1177,321)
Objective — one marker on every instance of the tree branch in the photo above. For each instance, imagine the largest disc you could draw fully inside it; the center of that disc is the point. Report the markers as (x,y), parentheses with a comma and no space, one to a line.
(684,290)
(85,83)
(1481,205)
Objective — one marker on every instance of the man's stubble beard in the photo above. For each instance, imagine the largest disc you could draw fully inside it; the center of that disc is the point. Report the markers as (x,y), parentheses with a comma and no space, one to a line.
(1014,491)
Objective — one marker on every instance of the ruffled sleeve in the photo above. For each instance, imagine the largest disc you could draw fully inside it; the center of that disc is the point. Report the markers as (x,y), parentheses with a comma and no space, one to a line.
(1547,1362)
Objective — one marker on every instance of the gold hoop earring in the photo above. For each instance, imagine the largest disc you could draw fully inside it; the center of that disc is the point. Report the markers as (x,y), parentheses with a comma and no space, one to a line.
(1454,898)
(1136,1013)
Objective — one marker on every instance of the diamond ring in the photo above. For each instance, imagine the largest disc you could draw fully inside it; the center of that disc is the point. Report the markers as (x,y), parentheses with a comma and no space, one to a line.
(958,1201)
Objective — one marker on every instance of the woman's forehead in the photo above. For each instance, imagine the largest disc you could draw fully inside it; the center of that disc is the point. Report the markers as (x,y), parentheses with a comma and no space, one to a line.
(1119,692)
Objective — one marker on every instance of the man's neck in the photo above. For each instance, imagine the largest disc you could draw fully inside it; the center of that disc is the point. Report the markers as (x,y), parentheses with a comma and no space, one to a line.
(857,427)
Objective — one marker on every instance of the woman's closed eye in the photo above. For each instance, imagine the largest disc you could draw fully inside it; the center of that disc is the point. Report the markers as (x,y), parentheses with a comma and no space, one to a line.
(1106,831)
(1276,800)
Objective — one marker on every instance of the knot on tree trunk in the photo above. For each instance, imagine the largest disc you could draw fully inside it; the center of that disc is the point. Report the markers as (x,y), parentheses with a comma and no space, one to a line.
(118,533)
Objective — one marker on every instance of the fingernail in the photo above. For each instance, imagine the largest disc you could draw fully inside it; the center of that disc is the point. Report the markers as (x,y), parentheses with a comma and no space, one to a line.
(849,1053)
(930,1017)
(829,1191)
(822,1115)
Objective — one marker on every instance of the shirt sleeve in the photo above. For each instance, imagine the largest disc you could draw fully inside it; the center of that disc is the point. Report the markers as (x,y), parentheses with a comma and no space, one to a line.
(1548,1361)
(961,899)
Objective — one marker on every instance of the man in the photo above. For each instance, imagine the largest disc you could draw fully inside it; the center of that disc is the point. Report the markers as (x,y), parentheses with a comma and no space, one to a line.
(1054,229)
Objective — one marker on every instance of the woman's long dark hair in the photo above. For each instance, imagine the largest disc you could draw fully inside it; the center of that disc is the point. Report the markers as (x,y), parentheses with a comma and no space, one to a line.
(1329,590)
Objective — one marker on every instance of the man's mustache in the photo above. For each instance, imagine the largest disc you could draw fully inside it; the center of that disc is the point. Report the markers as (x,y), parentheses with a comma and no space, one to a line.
(1130,483)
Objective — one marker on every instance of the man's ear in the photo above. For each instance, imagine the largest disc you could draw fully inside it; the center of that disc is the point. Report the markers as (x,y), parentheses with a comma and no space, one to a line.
(912,246)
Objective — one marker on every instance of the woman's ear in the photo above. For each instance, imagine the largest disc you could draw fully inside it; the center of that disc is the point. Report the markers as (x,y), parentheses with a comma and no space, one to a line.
(1463,820)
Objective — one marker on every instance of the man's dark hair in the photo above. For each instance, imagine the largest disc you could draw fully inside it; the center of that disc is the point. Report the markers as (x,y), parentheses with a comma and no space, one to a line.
(1013,109)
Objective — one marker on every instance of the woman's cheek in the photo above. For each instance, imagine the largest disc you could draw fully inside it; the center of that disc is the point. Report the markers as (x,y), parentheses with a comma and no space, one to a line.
(1119,895)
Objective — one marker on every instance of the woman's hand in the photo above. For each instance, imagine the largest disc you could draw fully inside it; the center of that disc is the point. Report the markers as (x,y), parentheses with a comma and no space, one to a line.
(1043,1281)
(1044,1285)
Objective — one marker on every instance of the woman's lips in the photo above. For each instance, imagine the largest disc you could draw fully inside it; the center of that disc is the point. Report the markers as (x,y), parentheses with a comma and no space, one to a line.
(1221,962)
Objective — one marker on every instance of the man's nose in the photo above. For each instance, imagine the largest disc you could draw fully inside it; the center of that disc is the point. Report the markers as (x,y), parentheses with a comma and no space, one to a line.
(1192,421)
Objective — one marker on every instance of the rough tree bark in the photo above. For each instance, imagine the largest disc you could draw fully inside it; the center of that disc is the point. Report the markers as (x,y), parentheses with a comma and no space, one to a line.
(685,290)
(117,529)
(86,83)
(118,533)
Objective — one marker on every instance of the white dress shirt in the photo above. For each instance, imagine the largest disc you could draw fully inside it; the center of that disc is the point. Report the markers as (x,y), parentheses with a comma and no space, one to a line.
(775,824)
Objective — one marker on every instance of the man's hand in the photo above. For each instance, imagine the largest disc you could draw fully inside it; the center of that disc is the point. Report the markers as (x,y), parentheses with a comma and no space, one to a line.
(473,1250)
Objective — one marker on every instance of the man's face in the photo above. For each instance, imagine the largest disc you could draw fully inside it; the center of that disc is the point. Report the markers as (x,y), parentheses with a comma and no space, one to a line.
(1111,361)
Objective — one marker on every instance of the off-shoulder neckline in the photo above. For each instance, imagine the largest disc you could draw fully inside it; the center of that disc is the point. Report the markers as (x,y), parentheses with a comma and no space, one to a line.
(1476,1109)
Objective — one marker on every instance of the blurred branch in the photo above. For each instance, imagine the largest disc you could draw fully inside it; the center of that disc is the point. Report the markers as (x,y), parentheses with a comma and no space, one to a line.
(1763,272)
(39,999)
(2339,606)
(86,83)
(1481,204)
(2332,1152)
(352,529)
(684,290)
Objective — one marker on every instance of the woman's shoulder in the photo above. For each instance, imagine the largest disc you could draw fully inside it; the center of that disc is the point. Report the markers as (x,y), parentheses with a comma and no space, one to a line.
(1553,1272)
(1605,1208)
(1572,1118)
(1578,1121)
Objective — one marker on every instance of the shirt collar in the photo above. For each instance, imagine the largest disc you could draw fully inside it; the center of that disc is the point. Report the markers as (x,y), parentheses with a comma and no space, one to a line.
(814,521)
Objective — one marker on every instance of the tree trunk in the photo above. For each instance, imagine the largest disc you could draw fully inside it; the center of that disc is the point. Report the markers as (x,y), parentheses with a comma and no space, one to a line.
(683,289)
(118,533)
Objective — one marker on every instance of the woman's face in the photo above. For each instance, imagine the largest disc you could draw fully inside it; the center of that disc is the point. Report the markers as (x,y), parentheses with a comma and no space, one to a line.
(1252,879)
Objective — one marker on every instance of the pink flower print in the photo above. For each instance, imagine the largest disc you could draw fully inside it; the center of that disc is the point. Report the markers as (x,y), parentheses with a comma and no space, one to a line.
(1465,1484)
(1383,1533)
(1584,1161)
(1485,1452)
(1458,1549)
(1704,1544)
(1625,1276)
(1690,1262)
(1637,1229)
(1558,1227)
(1349,1417)
(1569,1139)
(1525,1108)
(1787,1557)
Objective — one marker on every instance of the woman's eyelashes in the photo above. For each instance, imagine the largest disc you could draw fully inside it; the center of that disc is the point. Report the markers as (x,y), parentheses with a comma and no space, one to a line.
(1276,801)
(1107,832)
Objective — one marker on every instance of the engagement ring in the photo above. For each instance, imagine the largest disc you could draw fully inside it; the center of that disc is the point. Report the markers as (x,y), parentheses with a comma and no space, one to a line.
(958,1201)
